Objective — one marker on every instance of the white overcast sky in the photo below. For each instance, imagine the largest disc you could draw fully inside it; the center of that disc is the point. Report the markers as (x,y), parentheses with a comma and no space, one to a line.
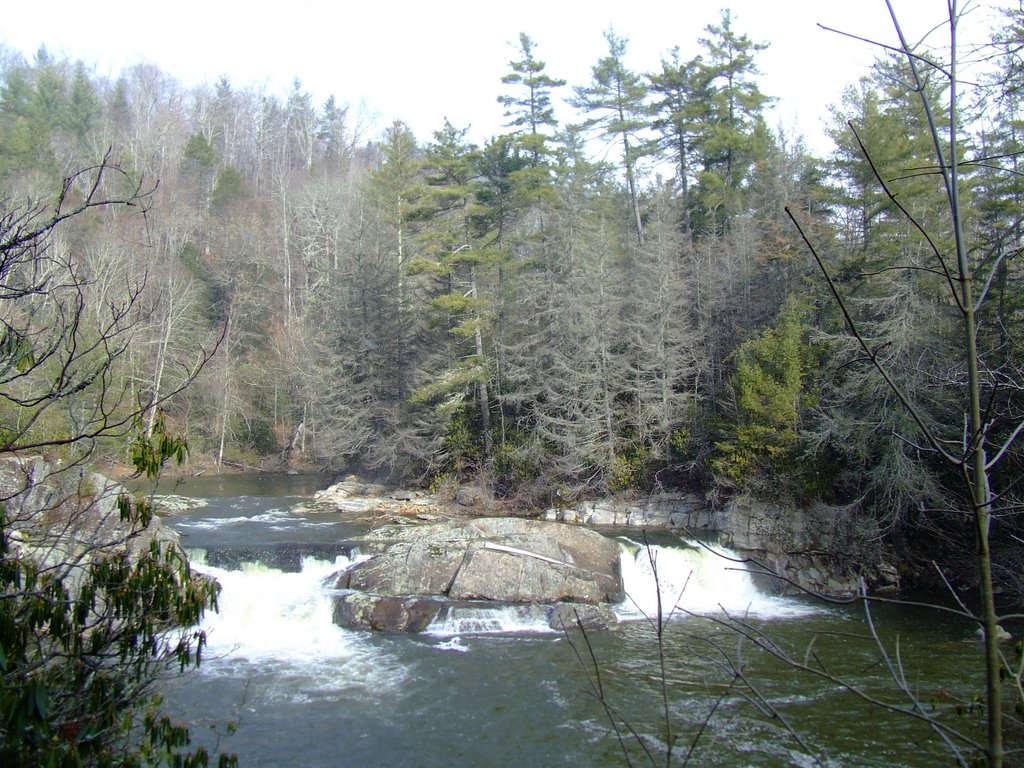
(423,61)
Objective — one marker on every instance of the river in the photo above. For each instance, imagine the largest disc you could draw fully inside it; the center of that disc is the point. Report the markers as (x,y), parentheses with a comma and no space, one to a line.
(282,686)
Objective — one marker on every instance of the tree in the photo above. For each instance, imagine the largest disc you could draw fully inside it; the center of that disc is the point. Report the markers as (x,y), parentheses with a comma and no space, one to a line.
(764,451)
(897,298)
(615,103)
(683,97)
(735,136)
(94,604)
(457,258)
(979,443)
(531,114)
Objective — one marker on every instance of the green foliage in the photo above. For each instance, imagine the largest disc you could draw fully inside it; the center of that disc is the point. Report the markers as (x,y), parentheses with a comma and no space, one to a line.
(165,739)
(149,452)
(228,189)
(770,384)
(631,469)
(256,434)
(452,384)
(515,461)
(81,641)
(461,448)
(199,154)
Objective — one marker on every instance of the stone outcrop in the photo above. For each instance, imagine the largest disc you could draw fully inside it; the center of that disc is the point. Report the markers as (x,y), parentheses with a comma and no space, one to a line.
(65,517)
(816,548)
(385,613)
(666,510)
(484,561)
(375,504)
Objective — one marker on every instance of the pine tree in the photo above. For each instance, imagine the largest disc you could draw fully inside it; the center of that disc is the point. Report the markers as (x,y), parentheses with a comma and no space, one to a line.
(683,96)
(615,105)
(531,114)
(735,136)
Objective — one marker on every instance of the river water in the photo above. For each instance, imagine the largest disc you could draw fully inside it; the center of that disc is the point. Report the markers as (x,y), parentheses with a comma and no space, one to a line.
(282,686)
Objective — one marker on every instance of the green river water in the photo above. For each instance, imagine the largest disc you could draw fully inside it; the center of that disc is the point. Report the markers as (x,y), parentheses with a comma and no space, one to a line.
(284,687)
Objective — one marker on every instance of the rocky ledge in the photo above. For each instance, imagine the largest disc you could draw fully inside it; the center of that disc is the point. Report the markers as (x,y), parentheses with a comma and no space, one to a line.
(816,549)
(415,574)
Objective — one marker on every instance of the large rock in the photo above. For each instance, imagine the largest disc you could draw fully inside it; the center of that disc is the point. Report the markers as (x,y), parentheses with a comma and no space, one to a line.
(384,613)
(818,549)
(666,510)
(501,559)
(570,616)
(484,561)
(60,515)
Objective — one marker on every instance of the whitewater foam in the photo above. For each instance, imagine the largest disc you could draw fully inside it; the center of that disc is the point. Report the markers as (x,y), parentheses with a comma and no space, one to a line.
(456,620)
(266,613)
(694,579)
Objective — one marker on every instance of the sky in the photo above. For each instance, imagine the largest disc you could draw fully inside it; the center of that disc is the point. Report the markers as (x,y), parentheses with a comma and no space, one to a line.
(422,62)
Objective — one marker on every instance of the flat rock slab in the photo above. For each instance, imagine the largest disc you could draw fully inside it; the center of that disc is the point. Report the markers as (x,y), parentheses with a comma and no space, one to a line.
(506,560)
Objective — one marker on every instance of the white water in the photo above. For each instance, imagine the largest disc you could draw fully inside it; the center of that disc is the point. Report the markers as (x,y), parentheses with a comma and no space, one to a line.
(510,619)
(694,580)
(270,615)
(266,613)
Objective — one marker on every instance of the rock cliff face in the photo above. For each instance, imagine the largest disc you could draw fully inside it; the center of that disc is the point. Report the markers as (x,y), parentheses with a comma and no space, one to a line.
(418,571)
(815,548)
(68,515)
(666,510)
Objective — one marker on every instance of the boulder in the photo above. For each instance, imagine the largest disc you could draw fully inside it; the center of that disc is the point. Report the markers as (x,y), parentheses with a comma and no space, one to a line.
(349,488)
(500,559)
(173,504)
(489,561)
(471,497)
(384,613)
(570,616)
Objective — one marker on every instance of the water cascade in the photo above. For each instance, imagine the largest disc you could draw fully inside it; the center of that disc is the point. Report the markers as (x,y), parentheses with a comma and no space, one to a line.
(471,620)
(694,579)
(268,613)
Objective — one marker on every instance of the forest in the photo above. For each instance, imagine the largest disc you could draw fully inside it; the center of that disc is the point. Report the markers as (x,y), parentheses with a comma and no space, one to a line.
(661,293)
(619,304)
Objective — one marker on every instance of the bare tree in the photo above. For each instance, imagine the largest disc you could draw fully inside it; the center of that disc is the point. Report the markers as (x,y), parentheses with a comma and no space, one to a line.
(95,602)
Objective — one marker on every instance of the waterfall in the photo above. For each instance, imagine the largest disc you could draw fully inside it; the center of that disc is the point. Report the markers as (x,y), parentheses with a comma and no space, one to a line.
(695,579)
(269,614)
(266,613)
(486,620)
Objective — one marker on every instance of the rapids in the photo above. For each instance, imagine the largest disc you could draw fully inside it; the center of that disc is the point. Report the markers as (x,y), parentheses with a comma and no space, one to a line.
(282,685)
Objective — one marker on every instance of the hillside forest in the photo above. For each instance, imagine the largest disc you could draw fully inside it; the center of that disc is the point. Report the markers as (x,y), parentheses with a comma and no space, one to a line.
(619,303)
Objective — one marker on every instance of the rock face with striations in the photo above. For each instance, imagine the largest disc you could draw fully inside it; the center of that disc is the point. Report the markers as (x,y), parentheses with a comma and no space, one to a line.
(417,571)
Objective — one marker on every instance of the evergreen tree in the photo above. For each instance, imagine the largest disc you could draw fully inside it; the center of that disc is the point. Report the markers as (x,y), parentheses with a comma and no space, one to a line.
(766,453)
(683,97)
(894,291)
(531,114)
(453,253)
(735,136)
(615,106)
